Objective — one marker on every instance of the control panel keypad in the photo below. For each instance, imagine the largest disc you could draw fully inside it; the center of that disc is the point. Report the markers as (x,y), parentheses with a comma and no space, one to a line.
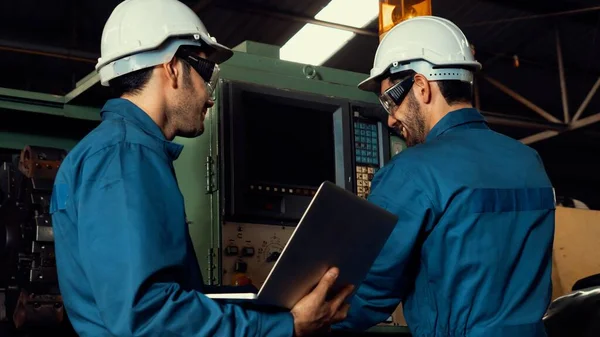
(366,143)
(364,176)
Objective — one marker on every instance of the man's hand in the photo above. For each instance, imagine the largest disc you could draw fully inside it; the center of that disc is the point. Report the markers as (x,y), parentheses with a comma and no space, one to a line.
(313,313)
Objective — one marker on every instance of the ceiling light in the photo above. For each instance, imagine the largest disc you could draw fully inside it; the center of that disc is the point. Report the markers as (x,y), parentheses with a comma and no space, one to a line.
(315,44)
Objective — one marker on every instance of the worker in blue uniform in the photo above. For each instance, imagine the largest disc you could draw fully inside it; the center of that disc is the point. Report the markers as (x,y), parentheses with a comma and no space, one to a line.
(125,261)
(471,253)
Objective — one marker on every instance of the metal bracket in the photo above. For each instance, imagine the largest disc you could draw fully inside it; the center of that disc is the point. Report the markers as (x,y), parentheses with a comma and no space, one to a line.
(210,175)
(212,280)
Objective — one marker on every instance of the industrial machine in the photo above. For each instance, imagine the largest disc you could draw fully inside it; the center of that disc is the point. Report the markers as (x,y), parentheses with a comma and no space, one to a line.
(269,147)
(29,296)
(278,146)
(277,130)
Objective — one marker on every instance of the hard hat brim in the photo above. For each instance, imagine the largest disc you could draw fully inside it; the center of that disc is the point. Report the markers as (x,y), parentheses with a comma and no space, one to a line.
(371,84)
(220,54)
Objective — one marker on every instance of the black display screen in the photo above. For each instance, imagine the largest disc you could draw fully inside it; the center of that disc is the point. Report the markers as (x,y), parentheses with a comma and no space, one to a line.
(287,144)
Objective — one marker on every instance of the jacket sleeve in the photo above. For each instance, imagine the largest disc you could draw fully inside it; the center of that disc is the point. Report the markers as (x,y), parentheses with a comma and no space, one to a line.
(134,253)
(381,292)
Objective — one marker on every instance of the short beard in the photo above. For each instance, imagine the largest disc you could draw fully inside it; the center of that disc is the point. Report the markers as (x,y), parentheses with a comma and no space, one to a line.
(414,122)
(182,114)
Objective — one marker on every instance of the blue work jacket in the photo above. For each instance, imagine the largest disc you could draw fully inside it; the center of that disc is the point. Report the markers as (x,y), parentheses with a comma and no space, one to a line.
(471,253)
(125,260)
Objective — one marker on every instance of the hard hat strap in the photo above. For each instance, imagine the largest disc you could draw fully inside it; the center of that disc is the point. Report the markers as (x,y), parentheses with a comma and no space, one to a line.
(145,59)
(432,72)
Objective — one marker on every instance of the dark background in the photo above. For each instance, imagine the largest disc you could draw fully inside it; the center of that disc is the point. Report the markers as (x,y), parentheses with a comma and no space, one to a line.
(47,46)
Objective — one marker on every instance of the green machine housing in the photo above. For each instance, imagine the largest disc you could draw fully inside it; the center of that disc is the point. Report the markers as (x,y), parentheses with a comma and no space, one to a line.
(247,139)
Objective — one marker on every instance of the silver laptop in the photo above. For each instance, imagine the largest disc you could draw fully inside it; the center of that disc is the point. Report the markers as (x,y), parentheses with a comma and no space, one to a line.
(338,229)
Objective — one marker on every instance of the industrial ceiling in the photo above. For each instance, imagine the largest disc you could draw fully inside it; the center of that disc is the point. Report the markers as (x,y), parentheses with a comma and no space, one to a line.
(48,46)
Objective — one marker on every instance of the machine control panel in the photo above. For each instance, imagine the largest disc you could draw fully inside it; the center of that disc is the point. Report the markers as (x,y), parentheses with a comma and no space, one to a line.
(367,154)
(250,251)
(364,176)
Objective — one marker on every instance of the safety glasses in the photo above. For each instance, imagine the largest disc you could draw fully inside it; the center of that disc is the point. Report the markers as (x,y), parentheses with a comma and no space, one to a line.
(393,96)
(208,70)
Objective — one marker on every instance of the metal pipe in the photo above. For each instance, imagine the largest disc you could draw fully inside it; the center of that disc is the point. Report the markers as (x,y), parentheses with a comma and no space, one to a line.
(539,137)
(521,99)
(476,94)
(561,72)
(587,100)
(293,17)
(35,49)
(595,118)
(533,17)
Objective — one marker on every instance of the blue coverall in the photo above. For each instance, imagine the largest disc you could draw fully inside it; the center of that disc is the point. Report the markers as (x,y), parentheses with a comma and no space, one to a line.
(126,265)
(471,252)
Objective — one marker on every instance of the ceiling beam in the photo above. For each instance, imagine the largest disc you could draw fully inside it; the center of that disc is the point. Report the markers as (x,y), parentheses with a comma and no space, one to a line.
(543,14)
(587,100)
(521,99)
(561,73)
(595,118)
(575,123)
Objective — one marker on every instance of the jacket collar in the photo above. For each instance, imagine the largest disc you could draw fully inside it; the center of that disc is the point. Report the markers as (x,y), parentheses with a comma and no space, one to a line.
(457,118)
(122,108)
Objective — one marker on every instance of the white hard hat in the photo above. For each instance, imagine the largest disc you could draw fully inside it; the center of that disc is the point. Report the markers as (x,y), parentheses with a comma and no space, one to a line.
(429,45)
(134,36)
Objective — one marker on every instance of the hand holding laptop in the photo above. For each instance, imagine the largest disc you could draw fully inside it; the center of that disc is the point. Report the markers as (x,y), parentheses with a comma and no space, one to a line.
(341,230)
(313,313)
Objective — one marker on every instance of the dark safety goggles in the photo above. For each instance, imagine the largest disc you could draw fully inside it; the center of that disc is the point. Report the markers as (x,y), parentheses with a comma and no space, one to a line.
(208,70)
(393,96)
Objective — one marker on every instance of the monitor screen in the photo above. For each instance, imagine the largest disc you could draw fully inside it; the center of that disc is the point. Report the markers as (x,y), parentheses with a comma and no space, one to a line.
(287,144)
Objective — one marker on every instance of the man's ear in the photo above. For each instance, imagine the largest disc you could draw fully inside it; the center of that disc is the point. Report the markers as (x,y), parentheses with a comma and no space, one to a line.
(422,88)
(171,72)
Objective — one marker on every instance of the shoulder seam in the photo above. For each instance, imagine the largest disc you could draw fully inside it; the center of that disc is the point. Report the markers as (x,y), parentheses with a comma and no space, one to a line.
(122,125)
(111,146)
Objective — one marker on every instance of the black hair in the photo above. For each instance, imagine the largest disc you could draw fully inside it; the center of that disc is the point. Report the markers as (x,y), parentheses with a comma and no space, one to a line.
(131,83)
(454,91)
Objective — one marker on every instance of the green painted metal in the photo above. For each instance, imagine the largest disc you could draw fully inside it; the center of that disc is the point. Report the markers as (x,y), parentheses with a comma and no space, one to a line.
(256,48)
(203,208)
(83,85)
(202,205)
(29,95)
(294,76)
(255,63)
(17,141)
(397,145)
(14,101)
(20,100)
